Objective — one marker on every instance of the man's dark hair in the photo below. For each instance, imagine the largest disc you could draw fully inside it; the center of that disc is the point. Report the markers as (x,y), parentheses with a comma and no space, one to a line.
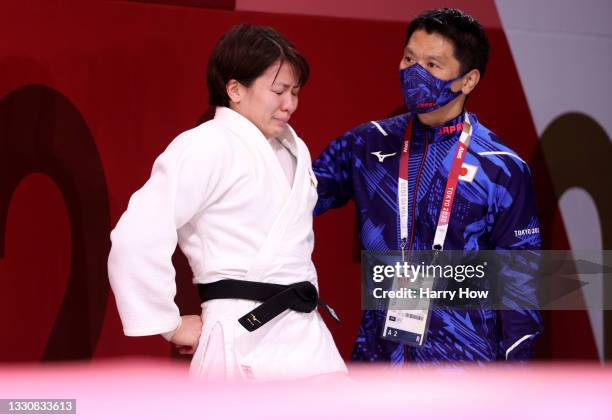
(471,46)
(244,53)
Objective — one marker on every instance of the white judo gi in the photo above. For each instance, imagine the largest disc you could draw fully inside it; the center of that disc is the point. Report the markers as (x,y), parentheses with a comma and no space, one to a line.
(219,191)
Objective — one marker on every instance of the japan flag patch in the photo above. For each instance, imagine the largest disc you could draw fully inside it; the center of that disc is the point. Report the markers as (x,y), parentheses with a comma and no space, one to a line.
(468,172)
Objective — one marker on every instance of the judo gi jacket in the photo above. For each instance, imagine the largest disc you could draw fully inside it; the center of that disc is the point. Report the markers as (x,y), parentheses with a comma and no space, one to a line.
(219,191)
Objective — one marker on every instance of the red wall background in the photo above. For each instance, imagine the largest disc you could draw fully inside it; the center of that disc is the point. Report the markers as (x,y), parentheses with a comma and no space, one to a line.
(92,92)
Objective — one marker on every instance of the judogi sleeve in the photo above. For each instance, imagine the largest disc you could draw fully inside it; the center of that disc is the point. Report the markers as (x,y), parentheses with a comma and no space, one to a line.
(333,169)
(140,269)
(516,227)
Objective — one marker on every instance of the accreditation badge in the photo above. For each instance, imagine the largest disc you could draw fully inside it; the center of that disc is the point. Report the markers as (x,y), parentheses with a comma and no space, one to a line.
(408,312)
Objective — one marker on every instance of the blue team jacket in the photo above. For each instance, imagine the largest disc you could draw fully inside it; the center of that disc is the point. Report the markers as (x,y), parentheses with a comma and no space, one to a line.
(493,209)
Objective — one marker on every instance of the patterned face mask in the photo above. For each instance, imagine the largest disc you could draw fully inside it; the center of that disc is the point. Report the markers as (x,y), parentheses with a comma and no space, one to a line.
(424,92)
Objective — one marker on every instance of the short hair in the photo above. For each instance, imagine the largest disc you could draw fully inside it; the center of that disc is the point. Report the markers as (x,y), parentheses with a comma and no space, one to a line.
(244,53)
(471,46)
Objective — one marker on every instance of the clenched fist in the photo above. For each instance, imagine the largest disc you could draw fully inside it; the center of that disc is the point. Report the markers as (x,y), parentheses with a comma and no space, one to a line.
(187,336)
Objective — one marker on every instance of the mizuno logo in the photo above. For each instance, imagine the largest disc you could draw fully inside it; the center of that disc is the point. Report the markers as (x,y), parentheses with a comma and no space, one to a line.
(252,318)
(382,157)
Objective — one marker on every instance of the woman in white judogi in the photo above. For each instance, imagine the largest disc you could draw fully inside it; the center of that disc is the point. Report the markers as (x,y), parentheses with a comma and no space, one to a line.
(236,193)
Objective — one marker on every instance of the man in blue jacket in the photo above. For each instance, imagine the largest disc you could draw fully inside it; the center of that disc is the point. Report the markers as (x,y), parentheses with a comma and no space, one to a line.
(403,172)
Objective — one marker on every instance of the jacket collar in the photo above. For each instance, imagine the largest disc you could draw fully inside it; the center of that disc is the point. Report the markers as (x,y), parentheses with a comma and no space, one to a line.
(243,127)
(450,130)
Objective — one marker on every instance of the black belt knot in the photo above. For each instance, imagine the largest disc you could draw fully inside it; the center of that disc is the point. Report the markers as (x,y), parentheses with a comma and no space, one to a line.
(276,298)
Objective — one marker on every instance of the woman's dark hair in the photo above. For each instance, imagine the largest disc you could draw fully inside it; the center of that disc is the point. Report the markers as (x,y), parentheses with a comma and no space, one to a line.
(244,53)
(471,46)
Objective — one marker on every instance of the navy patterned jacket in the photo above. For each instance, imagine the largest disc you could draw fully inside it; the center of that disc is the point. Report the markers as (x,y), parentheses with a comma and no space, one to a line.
(494,208)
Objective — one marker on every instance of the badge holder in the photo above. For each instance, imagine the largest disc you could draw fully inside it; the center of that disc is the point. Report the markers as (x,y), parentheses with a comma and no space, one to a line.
(407,320)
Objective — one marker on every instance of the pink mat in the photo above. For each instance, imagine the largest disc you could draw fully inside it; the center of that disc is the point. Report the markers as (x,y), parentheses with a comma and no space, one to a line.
(157,389)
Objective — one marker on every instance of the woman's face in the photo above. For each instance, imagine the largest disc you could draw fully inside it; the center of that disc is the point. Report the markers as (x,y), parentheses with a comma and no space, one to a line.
(269,101)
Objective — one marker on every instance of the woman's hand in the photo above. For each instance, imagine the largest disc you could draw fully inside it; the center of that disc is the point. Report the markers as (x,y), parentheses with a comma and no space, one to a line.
(187,336)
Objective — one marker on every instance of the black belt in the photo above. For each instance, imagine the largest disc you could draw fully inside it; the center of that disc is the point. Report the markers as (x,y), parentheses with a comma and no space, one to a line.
(276,298)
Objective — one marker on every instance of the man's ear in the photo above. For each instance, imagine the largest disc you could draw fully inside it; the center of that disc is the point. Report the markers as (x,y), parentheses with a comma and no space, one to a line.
(469,81)
(234,91)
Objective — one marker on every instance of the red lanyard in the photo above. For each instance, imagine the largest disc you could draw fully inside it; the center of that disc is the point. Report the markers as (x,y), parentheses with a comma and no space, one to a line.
(449,191)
